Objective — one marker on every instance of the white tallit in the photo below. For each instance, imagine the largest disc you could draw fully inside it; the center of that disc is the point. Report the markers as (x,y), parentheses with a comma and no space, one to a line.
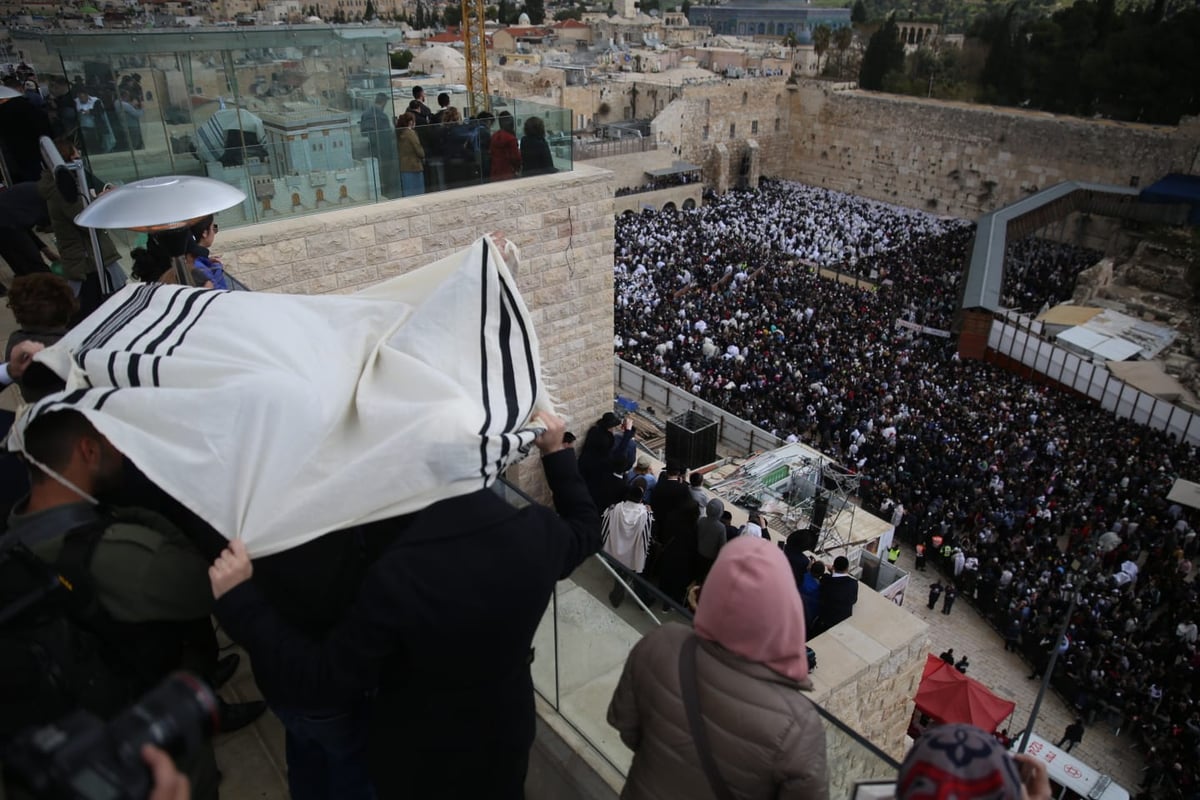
(281,417)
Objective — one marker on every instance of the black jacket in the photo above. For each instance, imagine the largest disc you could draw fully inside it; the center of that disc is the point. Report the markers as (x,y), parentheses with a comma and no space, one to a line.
(838,596)
(442,628)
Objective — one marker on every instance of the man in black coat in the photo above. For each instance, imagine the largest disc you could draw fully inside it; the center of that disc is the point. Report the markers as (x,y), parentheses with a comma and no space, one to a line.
(839,593)
(442,630)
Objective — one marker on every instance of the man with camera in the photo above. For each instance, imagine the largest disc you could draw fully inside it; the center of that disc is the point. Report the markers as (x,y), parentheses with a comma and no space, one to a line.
(134,580)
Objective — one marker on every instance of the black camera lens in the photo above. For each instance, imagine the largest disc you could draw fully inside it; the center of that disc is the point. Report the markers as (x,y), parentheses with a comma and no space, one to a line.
(173,716)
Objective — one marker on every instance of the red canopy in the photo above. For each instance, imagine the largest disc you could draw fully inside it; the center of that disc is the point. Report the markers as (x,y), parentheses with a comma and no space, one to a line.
(949,696)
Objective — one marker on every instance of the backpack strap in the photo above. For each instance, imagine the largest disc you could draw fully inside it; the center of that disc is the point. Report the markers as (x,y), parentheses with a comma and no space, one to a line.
(691,703)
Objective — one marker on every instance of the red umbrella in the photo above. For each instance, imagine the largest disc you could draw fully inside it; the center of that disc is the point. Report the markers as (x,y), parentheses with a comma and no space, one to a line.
(947,695)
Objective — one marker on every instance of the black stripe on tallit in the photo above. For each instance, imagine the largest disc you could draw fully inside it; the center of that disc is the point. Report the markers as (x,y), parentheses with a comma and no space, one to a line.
(487,409)
(526,340)
(134,361)
(104,399)
(149,328)
(119,318)
(209,299)
(180,316)
(112,368)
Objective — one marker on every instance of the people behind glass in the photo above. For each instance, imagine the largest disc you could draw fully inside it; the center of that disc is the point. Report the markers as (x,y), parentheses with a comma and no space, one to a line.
(130,115)
(411,153)
(535,150)
(505,151)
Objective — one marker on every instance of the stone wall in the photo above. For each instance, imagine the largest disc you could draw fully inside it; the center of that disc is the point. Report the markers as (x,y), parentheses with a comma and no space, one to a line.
(563,224)
(868,671)
(962,159)
(714,124)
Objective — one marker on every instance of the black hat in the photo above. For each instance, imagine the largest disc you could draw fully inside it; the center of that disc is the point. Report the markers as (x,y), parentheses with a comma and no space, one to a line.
(609,420)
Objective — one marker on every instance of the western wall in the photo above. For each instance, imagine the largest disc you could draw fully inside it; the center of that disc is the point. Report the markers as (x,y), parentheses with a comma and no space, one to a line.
(962,159)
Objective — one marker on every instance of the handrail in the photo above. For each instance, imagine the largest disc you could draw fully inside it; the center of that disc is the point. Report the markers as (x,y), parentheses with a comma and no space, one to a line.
(640,588)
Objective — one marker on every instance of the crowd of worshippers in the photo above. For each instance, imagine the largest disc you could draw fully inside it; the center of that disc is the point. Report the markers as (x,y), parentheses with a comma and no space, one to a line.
(669,531)
(660,182)
(1042,490)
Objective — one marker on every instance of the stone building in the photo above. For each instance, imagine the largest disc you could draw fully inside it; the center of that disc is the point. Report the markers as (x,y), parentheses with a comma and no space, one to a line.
(768,18)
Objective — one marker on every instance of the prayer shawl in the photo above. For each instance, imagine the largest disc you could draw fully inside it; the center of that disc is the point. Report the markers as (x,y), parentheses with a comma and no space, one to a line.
(278,418)
(625,529)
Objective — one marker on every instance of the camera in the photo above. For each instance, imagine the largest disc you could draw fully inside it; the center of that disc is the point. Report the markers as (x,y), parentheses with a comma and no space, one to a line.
(80,757)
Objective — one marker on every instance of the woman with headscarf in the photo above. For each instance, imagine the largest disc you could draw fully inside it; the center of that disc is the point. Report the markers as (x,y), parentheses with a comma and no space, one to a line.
(734,683)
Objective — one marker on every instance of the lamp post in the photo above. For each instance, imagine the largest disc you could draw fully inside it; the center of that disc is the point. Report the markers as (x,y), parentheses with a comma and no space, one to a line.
(164,208)
(1058,648)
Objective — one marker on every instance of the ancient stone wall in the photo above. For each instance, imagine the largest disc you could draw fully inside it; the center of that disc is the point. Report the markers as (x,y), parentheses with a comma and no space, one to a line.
(712,125)
(563,224)
(962,159)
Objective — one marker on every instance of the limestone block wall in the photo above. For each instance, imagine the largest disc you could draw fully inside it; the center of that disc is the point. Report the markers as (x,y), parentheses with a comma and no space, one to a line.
(868,671)
(562,223)
(712,124)
(962,159)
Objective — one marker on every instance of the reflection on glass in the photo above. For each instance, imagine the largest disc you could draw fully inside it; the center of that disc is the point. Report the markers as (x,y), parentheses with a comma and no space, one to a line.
(301,119)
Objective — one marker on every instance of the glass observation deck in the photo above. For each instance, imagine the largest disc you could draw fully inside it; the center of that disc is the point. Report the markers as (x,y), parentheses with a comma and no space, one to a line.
(583,641)
(283,113)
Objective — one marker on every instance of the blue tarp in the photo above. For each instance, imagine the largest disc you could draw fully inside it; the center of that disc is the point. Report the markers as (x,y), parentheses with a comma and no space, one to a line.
(1176,189)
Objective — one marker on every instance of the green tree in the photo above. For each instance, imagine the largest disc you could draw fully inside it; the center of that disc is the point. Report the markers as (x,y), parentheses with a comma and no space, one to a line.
(536,9)
(685,7)
(822,35)
(420,21)
(401,59)
(452,15)
(843,37)
(574,12)
(884,54)
(507,13)
(369,14)
(858,13)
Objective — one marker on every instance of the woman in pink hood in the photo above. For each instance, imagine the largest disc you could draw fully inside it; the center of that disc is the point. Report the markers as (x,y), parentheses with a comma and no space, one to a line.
(749,733)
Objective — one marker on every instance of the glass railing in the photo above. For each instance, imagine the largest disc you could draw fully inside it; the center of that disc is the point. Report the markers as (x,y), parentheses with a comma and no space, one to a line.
(301,118)
(584,640)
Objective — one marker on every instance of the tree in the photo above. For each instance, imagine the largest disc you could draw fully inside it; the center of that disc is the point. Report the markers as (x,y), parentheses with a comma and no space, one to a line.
(884,54)
(401,59)
(843,37)
(821,36)
(574,12)
(420,22)
(507,13)
(452,16)
(685,7)
(858,13)
(369,14)
(536,9)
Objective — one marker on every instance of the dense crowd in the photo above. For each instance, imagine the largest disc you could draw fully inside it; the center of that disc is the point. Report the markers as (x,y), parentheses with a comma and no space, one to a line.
(1048,497)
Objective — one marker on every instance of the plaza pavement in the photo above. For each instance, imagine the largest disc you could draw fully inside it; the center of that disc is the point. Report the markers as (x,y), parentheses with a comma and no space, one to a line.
(1005,673)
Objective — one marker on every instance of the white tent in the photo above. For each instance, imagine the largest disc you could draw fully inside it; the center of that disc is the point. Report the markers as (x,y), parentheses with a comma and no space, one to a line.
(281,417)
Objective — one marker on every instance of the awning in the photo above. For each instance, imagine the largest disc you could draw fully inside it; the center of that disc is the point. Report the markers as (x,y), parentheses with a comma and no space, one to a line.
(1149,377)
(1186,493)
(678,168)
(947,695)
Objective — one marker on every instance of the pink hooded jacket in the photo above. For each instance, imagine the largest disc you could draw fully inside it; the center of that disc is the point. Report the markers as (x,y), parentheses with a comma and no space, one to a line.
(754,608)
(766,738)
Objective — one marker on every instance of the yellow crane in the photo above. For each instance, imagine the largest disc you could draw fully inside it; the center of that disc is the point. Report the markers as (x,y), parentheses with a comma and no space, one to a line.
(475,51)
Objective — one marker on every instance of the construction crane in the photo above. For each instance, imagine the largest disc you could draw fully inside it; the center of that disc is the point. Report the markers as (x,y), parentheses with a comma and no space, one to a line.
(475,51)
